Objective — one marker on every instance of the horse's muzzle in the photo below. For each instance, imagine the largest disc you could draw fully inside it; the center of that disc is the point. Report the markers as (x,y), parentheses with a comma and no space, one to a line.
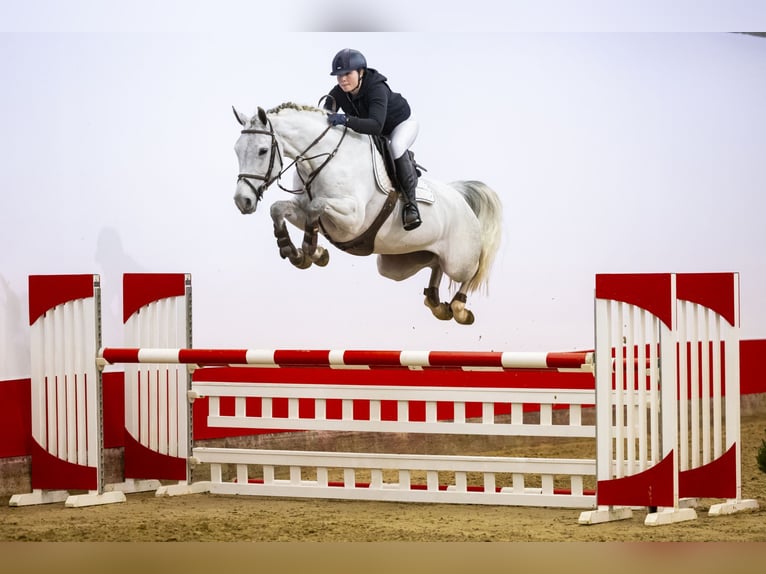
(246,202)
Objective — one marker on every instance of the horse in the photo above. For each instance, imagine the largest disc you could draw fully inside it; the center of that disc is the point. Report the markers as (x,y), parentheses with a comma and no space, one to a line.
(342,190)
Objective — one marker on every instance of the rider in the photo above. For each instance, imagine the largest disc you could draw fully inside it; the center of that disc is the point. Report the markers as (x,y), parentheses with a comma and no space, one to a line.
(372,108)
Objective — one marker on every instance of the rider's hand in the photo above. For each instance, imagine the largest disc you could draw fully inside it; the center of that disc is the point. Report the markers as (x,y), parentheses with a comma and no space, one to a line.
(337,119)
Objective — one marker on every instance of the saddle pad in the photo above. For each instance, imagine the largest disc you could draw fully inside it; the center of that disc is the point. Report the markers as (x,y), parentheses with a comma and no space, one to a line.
(424,193)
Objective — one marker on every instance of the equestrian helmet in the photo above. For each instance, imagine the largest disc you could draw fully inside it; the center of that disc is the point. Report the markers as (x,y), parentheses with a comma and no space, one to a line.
(347,60)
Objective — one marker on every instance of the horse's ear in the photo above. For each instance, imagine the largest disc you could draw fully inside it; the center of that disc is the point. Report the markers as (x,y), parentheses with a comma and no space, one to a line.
(240,117)
(262,116)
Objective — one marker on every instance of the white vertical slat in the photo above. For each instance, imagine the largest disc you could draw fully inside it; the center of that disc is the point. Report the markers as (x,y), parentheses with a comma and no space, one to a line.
(668,385)
(459,412)
(320,409)
(732,387)
(81,369)
(404,479)
(654,385)
(575,415)
(630,385)
(85,404)
(165,331)
(153,336)
(716,387)
(619,385)
(60,375)
(347,409)
(489,482)
(38,381)
(683,387)
(461,481)
(68,401)
(705,385)
(402,411)
(643,441)
(430,411)
(546,414)
(488,413)
(292,408)
(603,352)
(694,355)
(143,381)
(517,413)
(131,380)
(375,410)
(432,480)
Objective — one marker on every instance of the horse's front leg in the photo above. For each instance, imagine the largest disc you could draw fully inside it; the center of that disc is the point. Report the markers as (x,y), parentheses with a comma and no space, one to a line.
(282,211)
(311,248)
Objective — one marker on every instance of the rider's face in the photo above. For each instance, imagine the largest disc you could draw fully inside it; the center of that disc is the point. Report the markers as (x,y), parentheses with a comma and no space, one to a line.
(349,82)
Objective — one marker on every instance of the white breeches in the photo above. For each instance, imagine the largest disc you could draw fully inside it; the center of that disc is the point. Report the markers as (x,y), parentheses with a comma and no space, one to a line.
(404,136)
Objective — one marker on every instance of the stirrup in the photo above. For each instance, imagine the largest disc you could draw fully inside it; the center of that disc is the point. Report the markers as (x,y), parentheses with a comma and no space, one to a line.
(412,223)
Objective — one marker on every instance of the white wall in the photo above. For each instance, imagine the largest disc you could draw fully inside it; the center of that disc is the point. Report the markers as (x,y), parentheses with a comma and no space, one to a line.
(611,152)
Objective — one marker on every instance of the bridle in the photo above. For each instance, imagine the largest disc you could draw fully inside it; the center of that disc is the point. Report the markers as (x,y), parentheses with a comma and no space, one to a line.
(267,181)
(301,157)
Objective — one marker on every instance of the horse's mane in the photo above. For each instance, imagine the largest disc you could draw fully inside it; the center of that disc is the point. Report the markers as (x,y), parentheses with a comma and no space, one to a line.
(294,106)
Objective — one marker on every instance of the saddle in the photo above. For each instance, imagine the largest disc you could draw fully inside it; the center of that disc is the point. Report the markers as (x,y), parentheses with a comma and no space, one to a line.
(364,244)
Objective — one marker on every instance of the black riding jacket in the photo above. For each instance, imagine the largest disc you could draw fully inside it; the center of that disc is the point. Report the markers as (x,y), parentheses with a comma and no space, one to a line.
(375,109)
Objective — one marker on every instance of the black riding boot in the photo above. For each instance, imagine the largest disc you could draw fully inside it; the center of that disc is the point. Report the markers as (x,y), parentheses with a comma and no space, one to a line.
(408,183)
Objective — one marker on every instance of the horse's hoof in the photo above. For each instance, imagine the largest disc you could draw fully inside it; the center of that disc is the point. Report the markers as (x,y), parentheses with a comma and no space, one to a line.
(323,260)
(441,311)
(465,318)
(300,260)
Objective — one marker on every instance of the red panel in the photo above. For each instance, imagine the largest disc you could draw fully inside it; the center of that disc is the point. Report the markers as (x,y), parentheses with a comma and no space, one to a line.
(114,409)
(15,417)
(649,291)
(48,291)
(653,487)
(428,377)
(141,462)
(751,377)
(52,473)
(717,479)
(139,289)
(712,290)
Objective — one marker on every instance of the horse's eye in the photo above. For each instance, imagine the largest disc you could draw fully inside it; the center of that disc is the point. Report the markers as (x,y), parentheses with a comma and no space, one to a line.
(263,151)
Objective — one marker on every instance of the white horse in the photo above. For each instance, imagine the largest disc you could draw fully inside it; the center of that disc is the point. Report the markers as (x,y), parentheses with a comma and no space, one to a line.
(343,191)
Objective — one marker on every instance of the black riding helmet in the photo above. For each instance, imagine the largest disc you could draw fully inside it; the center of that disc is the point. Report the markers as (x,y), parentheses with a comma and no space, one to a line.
(347,60)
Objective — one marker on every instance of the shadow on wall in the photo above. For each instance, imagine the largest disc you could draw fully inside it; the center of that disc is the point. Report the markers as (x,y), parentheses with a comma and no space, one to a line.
(346,16)
(112,261)
(14,344)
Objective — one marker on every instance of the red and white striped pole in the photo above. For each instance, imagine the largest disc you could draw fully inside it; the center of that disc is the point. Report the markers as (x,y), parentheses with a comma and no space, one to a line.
(579,360)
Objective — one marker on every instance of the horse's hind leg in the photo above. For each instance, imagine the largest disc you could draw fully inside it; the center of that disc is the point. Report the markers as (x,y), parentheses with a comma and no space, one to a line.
(440,309)
(457,305)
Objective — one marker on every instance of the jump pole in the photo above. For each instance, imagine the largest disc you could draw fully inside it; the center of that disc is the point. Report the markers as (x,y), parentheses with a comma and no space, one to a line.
(580,360)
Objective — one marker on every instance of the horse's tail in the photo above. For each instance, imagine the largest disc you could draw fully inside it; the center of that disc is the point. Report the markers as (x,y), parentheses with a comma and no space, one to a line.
(486,204)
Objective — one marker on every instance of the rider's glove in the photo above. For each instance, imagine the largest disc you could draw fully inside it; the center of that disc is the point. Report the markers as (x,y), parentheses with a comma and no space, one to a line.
(337,119)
